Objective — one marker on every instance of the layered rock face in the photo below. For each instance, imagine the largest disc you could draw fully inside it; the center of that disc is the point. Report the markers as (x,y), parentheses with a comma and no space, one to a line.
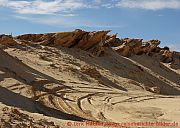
(129,47)
(95,42)
(77,39)
(137,47)
(132,47)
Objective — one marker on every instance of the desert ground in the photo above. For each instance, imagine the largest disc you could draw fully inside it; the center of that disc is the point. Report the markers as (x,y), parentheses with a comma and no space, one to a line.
(47,80)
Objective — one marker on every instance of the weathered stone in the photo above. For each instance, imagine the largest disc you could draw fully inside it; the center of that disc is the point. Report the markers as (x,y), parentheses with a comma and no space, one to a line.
(31,37)
(77,39)
(95,42)
(7,40)
(91,39)
(113,41)
(68,39)
(167,56)
(150,46)
(123,50)
(129,47)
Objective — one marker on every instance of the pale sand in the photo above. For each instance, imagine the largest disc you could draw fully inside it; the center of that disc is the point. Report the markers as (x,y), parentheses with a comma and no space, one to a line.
(57,85)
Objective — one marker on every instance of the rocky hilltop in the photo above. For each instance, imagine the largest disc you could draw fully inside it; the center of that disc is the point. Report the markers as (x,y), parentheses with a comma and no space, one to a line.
(83,75)
(96,42)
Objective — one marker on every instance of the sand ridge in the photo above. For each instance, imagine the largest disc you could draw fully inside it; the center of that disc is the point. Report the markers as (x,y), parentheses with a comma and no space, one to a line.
(61,83)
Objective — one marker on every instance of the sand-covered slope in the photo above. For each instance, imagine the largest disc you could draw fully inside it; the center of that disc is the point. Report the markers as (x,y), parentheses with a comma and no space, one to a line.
(82,75)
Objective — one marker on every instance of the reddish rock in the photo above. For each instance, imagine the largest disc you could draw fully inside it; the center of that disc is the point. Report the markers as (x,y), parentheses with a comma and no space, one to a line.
(31,37)
(7,40)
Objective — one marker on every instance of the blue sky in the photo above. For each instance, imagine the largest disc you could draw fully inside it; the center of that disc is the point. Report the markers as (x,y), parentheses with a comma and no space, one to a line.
(147,19)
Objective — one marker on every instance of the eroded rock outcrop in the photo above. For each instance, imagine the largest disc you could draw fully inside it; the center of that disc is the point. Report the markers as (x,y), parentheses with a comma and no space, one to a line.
(7,40)
(151,46)
(68,39)
(136,47)
(95,42)
(129,47)
(77,39)
(166,56)
(91,39)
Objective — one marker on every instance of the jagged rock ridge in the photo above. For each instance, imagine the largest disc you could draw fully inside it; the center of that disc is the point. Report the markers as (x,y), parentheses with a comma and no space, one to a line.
(87,76)
(95,42)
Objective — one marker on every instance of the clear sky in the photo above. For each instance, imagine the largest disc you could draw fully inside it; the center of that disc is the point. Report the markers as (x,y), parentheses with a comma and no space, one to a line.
(147,19)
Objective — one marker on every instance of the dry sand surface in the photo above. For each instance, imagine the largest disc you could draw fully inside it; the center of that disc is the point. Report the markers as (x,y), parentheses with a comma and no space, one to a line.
(46,86)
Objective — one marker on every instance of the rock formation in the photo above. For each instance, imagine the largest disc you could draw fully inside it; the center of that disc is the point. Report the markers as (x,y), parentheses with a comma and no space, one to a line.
(77,39)
(86,76)
(7,40)
(129,47)
(96,41)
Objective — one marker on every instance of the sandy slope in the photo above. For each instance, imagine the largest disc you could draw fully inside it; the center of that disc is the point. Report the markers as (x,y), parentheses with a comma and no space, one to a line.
(58,84)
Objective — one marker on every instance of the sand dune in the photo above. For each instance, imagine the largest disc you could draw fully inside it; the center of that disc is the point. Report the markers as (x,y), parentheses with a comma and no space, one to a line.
(49,79)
